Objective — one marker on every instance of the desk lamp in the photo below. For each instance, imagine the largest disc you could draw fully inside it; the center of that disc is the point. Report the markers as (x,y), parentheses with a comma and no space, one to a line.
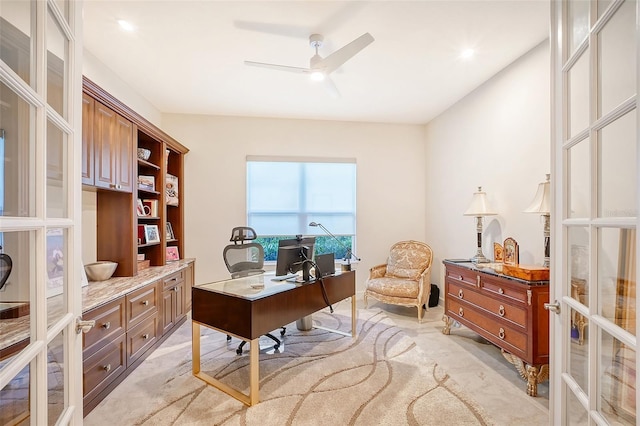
(541,204)
(349,254)
(479,208)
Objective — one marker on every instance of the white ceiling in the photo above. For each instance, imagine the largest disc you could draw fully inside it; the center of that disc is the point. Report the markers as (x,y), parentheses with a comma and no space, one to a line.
(188,56)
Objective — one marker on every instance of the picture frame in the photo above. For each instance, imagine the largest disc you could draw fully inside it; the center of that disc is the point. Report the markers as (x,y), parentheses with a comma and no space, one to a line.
(151,233)
(172,254)
(147,183)
(170,234)
(498,253)
(511,252)
(171,190)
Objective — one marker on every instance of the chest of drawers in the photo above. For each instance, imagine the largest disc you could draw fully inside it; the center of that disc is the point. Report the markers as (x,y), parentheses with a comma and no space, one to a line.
(508,312)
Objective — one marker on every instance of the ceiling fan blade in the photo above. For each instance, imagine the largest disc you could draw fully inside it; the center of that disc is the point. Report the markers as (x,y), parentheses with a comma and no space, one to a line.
(330,87)
(342,55)
(278,67)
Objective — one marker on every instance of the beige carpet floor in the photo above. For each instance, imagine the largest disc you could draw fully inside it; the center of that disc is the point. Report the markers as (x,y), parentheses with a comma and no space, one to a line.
(381,378)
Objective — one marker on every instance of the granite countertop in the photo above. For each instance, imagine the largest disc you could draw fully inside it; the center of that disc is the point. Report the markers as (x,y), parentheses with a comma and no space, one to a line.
(494,269)
(97,293)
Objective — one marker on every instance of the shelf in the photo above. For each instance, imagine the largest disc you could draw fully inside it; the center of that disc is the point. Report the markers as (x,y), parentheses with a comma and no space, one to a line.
(145,163)
(148,218)
(148,191)
(148,245)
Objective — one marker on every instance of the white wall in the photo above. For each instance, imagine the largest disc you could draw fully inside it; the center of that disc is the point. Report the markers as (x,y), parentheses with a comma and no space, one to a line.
(390,179)
(497,137)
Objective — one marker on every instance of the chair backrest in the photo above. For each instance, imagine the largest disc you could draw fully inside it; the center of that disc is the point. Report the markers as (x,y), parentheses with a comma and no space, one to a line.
(409,259)
(243,258)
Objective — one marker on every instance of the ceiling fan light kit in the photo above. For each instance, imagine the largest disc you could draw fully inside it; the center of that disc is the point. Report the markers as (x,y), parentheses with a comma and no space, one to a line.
(320,68)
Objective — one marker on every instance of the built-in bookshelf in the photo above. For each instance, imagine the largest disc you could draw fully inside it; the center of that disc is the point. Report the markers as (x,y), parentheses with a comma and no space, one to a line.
(141,225)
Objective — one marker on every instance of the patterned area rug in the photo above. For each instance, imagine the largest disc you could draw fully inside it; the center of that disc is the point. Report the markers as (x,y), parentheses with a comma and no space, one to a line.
(381,378)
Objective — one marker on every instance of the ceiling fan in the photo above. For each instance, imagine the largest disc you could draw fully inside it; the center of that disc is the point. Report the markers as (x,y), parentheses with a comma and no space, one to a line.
(319,67)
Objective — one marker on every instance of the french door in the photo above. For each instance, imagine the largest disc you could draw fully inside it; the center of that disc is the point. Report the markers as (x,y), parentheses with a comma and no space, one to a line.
(595,216)
(40,260)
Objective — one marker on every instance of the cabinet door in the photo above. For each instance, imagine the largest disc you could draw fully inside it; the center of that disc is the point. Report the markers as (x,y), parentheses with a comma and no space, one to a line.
(88,106)
(124,152)
(113,145)
(168,310)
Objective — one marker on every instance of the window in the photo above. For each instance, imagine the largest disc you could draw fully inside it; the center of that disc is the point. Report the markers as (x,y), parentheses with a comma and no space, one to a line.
(284,195)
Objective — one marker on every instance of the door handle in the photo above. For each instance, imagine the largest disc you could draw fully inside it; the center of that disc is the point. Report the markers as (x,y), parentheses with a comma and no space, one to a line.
(553,307)
(83,326)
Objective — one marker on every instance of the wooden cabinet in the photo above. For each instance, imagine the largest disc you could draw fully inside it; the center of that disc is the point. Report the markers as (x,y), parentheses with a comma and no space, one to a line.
(112,134)
(128,328)
(173,297)
(113,149)
(509,312)
(88,108)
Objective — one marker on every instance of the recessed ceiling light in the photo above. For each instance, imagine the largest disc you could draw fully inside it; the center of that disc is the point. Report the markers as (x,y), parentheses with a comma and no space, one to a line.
(126,25)
(467,53)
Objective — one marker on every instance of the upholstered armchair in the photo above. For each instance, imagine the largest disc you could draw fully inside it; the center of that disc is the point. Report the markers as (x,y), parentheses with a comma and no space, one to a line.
(406,277)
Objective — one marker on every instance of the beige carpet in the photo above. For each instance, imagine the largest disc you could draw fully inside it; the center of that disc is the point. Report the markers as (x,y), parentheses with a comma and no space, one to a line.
(380,378)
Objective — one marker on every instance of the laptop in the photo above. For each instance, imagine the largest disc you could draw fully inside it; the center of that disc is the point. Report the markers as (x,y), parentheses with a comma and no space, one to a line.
(326,264)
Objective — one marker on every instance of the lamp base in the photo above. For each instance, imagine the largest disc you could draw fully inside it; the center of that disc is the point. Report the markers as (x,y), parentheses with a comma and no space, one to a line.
(479,258)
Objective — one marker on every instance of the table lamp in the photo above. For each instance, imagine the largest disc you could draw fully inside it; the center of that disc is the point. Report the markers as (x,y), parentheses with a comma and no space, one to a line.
(479,208)
(542,205)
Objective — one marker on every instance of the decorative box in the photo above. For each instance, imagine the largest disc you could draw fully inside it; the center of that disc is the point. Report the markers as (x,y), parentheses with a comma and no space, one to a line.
(526,272)
(143,264)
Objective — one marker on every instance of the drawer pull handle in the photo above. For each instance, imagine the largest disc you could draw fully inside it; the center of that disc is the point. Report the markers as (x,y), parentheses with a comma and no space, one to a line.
(145,336)
(145,303)
(175,288)
(107,368)
(478,280)
(500,290)
(461,312)
(106,325)
(460,294)
(501,311)
(501,333)
(460,277)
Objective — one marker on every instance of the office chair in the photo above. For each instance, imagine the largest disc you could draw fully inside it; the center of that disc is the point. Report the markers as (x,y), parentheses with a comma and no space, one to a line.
(244,258)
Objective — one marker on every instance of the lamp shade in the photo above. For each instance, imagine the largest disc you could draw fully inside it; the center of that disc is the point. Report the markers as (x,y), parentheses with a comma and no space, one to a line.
(479,205)
(541,204)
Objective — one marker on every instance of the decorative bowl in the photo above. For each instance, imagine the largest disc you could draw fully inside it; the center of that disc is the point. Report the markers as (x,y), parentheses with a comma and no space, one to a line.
(144,153)
(100,271)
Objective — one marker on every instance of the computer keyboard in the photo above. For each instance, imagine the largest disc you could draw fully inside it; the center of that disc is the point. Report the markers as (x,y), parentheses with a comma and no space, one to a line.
(284,277)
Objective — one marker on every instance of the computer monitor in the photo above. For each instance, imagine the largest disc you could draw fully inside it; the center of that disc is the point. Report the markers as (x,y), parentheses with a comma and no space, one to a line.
(295,255)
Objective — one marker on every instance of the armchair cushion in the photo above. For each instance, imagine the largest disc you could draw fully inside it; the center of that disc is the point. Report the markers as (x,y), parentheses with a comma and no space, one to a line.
(394,287)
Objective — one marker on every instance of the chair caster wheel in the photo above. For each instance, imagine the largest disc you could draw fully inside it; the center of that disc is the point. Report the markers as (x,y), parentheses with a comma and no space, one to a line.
(239,351)
(228,338)
(276,347)
(282,332)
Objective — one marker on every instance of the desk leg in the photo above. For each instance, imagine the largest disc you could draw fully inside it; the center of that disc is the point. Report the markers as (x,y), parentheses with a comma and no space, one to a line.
(195,347)
(353,316)
(254,374)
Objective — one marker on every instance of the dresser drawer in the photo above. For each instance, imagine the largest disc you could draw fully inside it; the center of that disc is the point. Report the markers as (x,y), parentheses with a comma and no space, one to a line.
(173,279)
(142,337)
(487,302)
(462,276)
(110,323)
(103,367)
(496,331)
(512,291)
(141,304)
